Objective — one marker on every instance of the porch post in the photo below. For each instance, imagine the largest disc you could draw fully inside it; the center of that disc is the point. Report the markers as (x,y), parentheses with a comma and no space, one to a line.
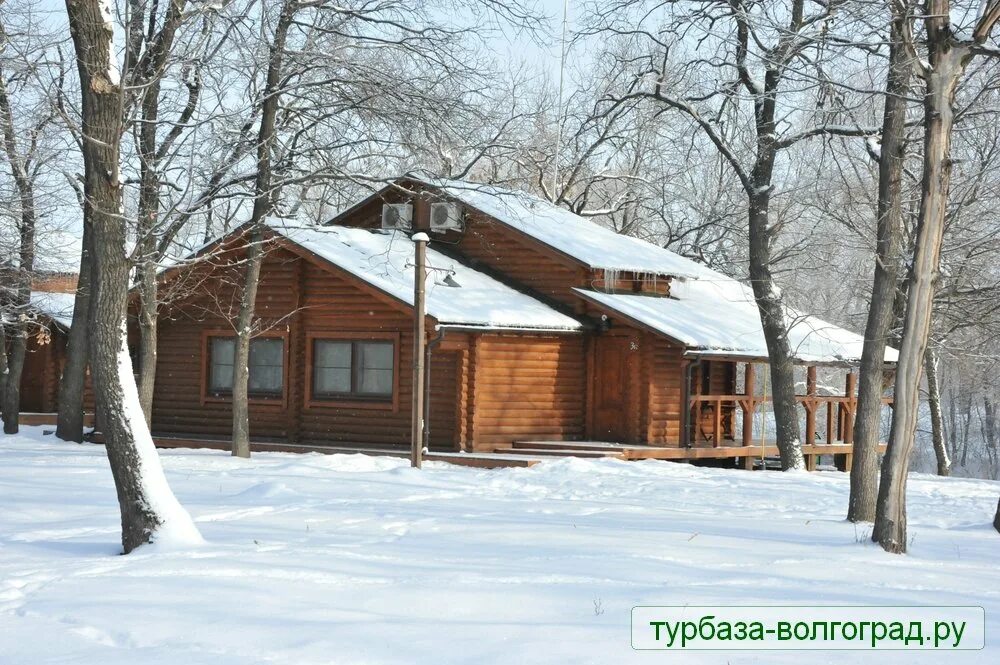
(829,422)
(810,405)
(749,375)
(850,388)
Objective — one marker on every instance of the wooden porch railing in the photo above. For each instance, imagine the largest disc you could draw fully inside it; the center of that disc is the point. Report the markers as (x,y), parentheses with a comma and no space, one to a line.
(840,409)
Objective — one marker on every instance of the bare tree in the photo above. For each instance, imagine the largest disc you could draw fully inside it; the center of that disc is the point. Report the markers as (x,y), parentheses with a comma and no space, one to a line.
(148,507)
(764,58)
(948,56)
(146,61)
(937,420)
(888,245)
(323,119)
(72,383)
(18,329)
(264,198)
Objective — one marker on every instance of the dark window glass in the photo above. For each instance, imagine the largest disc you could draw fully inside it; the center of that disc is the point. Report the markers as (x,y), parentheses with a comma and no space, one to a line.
(221,375)
(266,365)
(374,370)
(353,368)
(331,367)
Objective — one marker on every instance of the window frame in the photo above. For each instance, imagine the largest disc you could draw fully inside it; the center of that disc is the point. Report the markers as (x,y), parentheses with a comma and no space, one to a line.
(274,399)
(348,400)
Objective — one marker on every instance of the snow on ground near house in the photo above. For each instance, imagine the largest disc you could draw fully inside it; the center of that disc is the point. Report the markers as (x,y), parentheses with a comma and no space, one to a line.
(354,559)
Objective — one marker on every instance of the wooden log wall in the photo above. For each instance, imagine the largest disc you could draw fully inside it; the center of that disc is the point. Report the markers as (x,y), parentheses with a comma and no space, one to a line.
(306,301)
(444,400)
(180,405)
(665,396)
(334,305)
(526,387)
(522,261)
(43,362)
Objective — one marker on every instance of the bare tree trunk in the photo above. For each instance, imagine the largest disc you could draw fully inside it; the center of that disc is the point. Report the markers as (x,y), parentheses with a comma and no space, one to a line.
(26,263)
(241,354)
(773,317)
(12,387)
(967,428)
(996,519)
(947,64)
(881,311)
(146,503)
(147,318)
(69,423)
(952,432)
(990,429)
(937,421)
(150,156)
(149,205)
(3,357)
(773,321)
(263,204)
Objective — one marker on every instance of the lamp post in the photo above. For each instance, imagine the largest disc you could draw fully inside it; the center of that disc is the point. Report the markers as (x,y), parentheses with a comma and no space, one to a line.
(420,241)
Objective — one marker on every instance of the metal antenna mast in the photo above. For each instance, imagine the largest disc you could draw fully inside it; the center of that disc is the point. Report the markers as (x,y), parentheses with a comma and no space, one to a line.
(559,118)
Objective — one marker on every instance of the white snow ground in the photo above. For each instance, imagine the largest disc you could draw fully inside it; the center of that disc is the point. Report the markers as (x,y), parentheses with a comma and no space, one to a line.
(354,559)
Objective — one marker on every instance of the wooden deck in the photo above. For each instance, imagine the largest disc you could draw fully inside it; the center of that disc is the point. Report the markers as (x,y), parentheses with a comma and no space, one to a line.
(749,453)
(26,418)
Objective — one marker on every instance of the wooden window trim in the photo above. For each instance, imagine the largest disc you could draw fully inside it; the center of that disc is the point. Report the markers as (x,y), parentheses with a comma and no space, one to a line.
(206,352)
(315,401)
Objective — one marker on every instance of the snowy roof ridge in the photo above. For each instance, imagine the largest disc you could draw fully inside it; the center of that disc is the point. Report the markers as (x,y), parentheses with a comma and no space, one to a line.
(707,309)
(56,305)
(457,295)
(721,316)
(594,245)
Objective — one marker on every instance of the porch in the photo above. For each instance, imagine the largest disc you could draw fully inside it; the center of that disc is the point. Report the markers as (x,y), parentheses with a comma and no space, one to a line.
(733,422)
(750,456)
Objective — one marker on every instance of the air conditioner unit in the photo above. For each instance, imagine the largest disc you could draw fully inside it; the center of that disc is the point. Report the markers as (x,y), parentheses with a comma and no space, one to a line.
(397,216)
(446,217)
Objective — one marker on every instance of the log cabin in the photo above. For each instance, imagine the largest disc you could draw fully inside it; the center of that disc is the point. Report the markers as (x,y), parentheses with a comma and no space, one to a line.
(548,334)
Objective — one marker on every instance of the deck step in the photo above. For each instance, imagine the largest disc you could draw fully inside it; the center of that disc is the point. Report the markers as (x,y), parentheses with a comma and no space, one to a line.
(597,446)
(557,452)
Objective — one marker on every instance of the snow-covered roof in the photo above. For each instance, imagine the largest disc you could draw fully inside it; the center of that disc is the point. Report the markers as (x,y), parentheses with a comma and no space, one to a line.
(717,315)
(589,243)
(457,295)
(707,311)
(56,306)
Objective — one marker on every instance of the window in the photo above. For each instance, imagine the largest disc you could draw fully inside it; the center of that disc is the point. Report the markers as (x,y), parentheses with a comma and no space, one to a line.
(361,369)
(267,356)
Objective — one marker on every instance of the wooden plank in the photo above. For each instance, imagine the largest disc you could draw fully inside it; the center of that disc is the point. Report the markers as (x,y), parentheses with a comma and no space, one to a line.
(559,452)
(850,388)
(810,406)
(43,419)
(749,405)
